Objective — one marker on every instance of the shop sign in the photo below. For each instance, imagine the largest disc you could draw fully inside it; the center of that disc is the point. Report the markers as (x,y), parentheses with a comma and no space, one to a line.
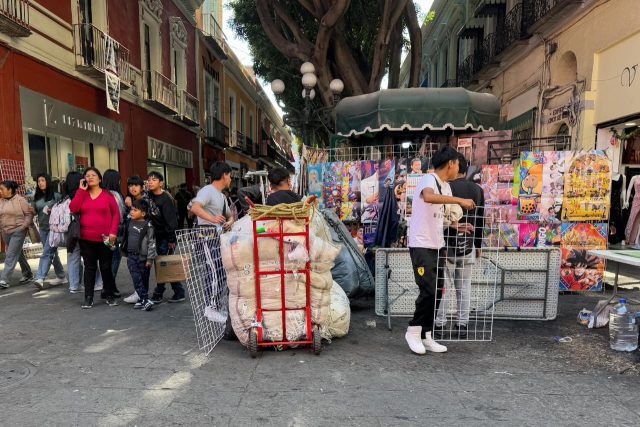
(558,114)
(48,115)
(169,154)
(464,142)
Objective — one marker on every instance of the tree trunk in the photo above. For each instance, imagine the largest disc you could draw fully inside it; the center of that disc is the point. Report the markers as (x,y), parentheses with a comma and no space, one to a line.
(415,35)
(395,56)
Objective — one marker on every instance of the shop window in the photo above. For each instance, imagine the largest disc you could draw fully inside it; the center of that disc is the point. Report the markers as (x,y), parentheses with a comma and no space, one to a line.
(173,175)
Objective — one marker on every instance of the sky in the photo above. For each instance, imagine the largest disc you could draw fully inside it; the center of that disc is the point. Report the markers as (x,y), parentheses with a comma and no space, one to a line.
(242,51)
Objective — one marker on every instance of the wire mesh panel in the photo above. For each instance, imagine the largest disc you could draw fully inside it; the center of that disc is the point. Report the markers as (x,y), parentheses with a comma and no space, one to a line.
(13,170)
(206,281)
(464,307)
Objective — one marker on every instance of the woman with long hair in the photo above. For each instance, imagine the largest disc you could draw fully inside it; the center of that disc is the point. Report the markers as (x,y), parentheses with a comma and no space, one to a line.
(99,221)
(15,219)
(111,182)
(44,199)
(74,258)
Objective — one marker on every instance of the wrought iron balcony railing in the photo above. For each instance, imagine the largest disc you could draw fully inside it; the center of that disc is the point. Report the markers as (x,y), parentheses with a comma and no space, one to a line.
(511,30)
(96,51)
(14,18)
(466,71)
(486,52)
(160,92)
(189,108)
(240,140)
(212,29)
(535,10)
(217,132)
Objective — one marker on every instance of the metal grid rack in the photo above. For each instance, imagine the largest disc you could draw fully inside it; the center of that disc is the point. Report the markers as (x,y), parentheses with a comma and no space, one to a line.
(206,281)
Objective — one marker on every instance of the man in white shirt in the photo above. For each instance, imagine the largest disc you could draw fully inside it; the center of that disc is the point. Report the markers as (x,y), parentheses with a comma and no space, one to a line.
(210,205)
(426,242)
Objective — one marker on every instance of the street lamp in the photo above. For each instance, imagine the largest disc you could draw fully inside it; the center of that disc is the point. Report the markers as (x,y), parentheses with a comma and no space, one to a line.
(305,119)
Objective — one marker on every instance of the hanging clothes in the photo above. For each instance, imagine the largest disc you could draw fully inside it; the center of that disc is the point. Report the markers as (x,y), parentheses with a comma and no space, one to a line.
(633,225)
(388,219)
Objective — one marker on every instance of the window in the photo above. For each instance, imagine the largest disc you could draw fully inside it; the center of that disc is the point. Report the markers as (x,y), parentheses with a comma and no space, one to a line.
(212,96)
(243,128)
(251,125)
(232,116)
(151,52)
(179,41)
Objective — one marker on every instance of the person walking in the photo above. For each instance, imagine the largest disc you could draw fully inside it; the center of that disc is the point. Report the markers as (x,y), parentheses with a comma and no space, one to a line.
(111,182)
(426,241)
(139,246)
(99,221)
(464,243)
(74,258)
(164,218)
(45,198)
(15,218)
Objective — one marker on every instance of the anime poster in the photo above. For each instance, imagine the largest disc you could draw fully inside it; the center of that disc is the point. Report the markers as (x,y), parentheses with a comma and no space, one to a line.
(509,235)
(369,235)
(549,233)
(369,188)
(580,271)
(528,235)
(489,183)
(490,235)
(350,207)
(497,184)
(499,214)
(333,186)
(315,177)
(553,185)
(530,193)
(587,187)
(411,184)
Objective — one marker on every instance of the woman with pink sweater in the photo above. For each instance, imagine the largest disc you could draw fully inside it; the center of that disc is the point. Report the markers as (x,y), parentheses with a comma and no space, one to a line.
(99,220)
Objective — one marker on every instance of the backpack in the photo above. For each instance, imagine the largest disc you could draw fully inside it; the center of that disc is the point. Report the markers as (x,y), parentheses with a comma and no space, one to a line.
(59,220)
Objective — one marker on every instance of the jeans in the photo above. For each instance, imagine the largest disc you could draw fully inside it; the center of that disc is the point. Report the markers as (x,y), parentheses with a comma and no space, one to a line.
(94,254)
(458,278)
(74,268)
(428,270)
(49,256)
(162,247)
(140,276)
(14,255)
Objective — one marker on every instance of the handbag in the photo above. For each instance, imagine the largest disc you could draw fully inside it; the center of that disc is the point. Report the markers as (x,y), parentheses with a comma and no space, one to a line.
(73,232)
(33,233)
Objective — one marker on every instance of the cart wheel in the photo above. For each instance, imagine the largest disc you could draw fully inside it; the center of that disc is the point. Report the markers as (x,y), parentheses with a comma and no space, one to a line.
(317,341)
(253,342)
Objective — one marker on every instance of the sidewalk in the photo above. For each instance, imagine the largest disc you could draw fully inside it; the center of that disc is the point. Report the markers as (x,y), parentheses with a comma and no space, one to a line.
(61,365)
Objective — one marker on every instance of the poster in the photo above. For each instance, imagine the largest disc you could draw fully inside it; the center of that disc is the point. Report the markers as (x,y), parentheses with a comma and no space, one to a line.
(528,235)
(411,183)
(112,90)
(333,186)
(530,187)
(508,235)
(553,185)
(315,179)
(350,207)
(549,234)
(580,271)
(587,189)
(369,189)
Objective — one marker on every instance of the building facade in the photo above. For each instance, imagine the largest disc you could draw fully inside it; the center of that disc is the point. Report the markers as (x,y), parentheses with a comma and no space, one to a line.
(559,67)
(99,83)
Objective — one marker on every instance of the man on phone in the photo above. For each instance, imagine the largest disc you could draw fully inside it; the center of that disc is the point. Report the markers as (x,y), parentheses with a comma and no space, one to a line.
(164,218)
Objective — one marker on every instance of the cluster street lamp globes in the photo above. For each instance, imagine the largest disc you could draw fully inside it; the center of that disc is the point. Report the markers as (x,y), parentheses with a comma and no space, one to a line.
(305,118)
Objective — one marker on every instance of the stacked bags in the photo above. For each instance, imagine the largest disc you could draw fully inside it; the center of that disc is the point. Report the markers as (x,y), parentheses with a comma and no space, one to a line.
(238,260)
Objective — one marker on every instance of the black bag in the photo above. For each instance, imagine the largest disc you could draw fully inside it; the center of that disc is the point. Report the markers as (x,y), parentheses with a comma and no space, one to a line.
(459,244)
(73,233)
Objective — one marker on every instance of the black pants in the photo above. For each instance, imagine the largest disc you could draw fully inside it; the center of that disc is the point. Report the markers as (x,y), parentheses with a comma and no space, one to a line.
(96,254)
(140,275)
(428,274)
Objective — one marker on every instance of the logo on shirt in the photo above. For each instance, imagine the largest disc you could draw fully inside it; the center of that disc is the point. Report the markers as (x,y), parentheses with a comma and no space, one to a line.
(421,271)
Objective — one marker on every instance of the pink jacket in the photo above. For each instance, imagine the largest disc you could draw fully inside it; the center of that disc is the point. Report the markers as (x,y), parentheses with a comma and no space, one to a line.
(97,216)
(14,214)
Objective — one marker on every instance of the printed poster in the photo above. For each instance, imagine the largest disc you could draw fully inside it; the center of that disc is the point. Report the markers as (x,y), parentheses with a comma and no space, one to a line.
(587,187)
(315,178)
(369,189)
(333,186)
(549,234)
(509,235)
(528,235)
(350,207)
(112,90)
(580,271)
(411,184)
(530,187)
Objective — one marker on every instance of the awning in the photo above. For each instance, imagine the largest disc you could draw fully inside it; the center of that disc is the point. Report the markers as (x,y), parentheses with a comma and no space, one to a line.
(474,28)
(519,123)
(489,8)
(417,109)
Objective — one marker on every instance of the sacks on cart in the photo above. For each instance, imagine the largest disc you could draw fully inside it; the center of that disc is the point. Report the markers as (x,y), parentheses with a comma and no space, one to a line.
(238,260)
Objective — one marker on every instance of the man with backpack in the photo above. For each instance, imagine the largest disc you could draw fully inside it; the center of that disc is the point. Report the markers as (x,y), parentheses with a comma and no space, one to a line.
(463,247)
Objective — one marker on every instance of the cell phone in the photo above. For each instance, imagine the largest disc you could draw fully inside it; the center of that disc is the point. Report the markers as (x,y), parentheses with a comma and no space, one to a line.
(83,183)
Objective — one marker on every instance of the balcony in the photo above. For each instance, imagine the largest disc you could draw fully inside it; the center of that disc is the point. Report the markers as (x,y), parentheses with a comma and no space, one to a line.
(541,15)
(160,92)
(466,71)
(215,35)
(239,141)
(96,51)
(511,33)
(14,18)
(217,132)
(263,149)
(189,108)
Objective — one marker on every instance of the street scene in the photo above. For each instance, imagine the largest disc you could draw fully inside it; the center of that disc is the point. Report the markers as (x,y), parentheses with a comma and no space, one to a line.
(301,213)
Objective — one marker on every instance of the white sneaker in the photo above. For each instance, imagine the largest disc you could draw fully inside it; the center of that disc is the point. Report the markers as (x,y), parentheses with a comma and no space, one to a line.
(58,281)
(4,284)
(132,299)
(413,339)
(39,283)
(98,287)
(432,346)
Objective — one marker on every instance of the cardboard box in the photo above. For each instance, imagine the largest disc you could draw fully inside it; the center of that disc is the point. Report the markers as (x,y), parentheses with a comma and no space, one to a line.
(169,269)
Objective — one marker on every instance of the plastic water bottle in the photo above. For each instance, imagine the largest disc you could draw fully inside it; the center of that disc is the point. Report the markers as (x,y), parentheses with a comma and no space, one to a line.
(623,328)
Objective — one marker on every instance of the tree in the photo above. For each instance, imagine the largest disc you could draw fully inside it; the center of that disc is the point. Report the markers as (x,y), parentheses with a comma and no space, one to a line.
(357,41)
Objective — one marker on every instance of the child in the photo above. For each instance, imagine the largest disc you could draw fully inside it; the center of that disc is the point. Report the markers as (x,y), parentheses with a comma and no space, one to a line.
(139,247)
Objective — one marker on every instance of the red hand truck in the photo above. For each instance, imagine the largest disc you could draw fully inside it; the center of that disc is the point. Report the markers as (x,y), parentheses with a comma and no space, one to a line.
(256,341)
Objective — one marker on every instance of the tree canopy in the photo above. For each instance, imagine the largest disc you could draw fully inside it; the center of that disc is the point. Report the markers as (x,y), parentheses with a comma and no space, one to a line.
(357,41)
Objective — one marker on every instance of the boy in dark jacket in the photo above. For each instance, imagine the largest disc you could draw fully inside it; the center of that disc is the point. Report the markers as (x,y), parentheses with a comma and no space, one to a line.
(139,247)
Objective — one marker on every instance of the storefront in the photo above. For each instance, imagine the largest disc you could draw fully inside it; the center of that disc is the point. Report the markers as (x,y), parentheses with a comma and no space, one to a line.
(171,161)
(59,138)
(240,165)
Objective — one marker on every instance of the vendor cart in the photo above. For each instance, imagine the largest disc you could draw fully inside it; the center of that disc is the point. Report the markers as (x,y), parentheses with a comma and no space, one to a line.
(256,334)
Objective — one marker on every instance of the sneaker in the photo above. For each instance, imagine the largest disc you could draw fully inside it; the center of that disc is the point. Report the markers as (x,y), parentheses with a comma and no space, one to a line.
(88,302)
(177,298)
(462,331)
(432,346)
(413,339)
(148,305)
(111,302)
(138,305)
(4,285)
(74,291)
(39,283)
(98,287)
(26,278)
(132,299)
(156,299)
(58,281)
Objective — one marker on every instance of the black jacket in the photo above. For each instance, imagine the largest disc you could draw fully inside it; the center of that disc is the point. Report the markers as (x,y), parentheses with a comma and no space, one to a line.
(282,196)
(164,216)
(470,190)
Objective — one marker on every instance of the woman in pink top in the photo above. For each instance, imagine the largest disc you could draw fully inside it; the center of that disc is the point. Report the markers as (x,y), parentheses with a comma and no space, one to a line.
(99,220)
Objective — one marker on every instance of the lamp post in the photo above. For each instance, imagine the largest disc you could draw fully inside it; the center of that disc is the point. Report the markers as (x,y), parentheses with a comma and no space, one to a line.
(305,119)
